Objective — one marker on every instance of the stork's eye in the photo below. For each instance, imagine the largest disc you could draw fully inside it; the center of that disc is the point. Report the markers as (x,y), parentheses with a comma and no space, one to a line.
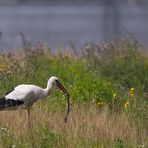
(57,82)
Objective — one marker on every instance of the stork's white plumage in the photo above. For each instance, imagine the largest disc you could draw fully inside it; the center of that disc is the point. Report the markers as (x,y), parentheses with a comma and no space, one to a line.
(25,95)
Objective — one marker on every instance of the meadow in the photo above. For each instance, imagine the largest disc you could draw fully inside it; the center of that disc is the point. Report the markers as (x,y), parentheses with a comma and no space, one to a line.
(108,85)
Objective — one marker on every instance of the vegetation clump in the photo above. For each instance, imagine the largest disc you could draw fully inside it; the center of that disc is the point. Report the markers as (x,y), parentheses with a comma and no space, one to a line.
(108,83)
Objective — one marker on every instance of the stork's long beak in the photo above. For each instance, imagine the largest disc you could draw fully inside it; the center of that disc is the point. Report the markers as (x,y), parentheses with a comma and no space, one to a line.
(62,87)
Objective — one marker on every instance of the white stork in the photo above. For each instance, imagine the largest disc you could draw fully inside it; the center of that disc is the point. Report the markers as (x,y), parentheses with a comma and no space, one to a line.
(25,95)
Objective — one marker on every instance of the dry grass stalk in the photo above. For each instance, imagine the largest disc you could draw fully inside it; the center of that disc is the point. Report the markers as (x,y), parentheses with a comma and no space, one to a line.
(86,123)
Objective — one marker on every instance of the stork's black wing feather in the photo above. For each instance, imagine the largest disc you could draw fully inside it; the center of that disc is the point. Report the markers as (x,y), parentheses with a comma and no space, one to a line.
(6,103)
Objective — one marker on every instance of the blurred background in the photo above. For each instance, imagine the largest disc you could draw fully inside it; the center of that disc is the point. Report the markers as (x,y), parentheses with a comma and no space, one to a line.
(66,23)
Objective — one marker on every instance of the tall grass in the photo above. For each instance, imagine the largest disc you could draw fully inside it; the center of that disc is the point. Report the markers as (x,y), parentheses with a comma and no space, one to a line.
(87,127)
(108,85)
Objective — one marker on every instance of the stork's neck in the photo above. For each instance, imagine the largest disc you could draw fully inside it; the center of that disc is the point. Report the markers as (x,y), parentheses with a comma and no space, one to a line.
(48,88)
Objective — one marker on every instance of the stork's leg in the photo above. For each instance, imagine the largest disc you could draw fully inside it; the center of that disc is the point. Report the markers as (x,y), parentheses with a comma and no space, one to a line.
(20,113)
(28,111)
(30,127)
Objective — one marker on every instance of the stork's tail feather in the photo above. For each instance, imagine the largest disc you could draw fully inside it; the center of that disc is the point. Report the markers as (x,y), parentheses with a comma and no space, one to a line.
(6,103)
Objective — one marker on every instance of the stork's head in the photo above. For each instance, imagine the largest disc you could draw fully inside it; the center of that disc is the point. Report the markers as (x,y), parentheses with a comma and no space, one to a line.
(55,81)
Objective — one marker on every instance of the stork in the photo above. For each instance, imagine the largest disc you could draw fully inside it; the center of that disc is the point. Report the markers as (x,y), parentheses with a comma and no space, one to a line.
(25,95)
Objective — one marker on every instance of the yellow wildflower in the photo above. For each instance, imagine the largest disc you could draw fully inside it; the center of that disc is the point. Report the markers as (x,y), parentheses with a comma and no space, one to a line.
(126,104)
(2,66)
(114,95)
(101,103)
(131,94)
(132,91)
